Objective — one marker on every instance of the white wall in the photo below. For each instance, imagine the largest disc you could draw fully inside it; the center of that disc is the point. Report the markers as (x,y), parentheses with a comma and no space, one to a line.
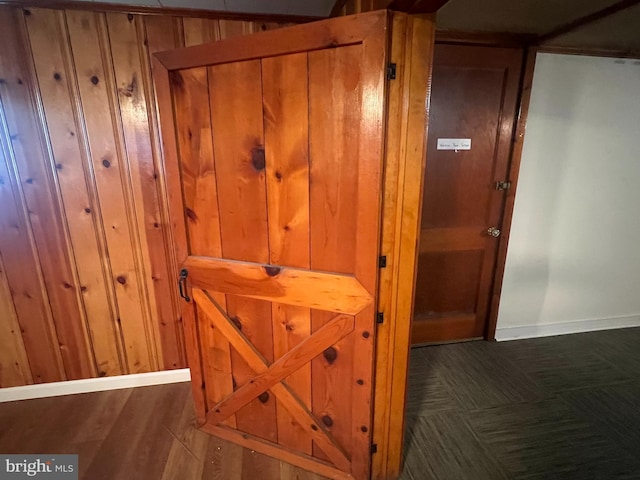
(574,253)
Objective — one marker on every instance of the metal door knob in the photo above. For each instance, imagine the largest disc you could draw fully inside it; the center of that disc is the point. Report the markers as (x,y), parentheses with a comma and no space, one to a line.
(493,231)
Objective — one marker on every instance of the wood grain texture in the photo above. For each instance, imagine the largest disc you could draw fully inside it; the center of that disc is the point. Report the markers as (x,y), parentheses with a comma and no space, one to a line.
(277,178)
(238,152)
(76,94)
(346,31)
(14,363)
(291,361)
(28,150)
(24,278)
(108,165)
(150,242)
(334,108)
(476,92)
(244,346)
(287,174)
(576,389)
(291,286)
(157,11)
(275,451)
(412,44)
(191,92)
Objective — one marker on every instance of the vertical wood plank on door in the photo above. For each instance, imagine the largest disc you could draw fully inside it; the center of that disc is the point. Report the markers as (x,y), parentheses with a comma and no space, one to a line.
(239,140)
(286,116)
(163,33)
(197,172)
(370,155)
(21,267)
(14,363)
(133,84)
(334,117)
(110,174)
(237,121)
(32,163)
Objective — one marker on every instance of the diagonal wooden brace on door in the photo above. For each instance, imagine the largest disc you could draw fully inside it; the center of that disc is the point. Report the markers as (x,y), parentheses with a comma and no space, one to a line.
(271,377)
(332,292)
(336,329)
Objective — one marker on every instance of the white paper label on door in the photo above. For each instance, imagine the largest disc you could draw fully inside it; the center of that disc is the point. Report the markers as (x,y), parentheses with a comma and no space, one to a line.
(454,144)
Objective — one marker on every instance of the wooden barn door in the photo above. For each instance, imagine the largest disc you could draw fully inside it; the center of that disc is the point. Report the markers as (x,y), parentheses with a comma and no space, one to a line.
(273,148)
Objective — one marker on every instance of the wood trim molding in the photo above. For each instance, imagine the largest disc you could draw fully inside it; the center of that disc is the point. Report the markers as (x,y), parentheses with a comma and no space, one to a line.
(487,39)
(144,10)
(514,170)
(594,52)
(417,6)
(587,19)
(337,8)
(87,385)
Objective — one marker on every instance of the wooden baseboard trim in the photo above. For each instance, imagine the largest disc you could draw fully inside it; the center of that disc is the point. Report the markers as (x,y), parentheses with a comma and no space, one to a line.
(566,328)
(71,387)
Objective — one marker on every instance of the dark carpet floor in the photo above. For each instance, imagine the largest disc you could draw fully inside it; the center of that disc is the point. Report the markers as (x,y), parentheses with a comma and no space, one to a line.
(564,407)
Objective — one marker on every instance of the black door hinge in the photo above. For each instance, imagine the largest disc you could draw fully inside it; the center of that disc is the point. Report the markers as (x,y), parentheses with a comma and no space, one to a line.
(391,71)
(374,448)
(382,261)
(380,317)
(503,185)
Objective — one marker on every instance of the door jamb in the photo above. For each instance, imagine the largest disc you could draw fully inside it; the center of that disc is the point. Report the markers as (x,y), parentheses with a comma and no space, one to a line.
(524,98)
(412,42)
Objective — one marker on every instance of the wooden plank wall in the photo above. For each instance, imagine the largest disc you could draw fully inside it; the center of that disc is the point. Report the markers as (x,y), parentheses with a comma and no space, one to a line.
(87,285)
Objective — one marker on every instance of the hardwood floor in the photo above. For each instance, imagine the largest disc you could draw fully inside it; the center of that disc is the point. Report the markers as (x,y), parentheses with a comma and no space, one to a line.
(554,408)
(141,433)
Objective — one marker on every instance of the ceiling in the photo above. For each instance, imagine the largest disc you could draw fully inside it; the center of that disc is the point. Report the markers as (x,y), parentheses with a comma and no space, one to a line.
(618,32)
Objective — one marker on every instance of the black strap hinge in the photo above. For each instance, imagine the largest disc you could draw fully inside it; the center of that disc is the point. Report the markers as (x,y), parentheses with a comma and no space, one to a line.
(380,317)
(382,261)
(391,71)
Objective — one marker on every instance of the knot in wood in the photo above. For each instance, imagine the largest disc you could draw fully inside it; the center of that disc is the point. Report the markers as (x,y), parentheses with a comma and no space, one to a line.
(271,270)
(330,355)
(257,158)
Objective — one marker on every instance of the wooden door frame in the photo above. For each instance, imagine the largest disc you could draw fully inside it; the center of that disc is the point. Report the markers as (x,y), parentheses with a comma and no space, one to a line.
(524,98)
(412,42)
(515,155)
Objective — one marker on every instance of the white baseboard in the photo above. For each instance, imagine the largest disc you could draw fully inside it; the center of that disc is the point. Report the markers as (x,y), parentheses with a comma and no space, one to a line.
(564,328)
(55,389)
